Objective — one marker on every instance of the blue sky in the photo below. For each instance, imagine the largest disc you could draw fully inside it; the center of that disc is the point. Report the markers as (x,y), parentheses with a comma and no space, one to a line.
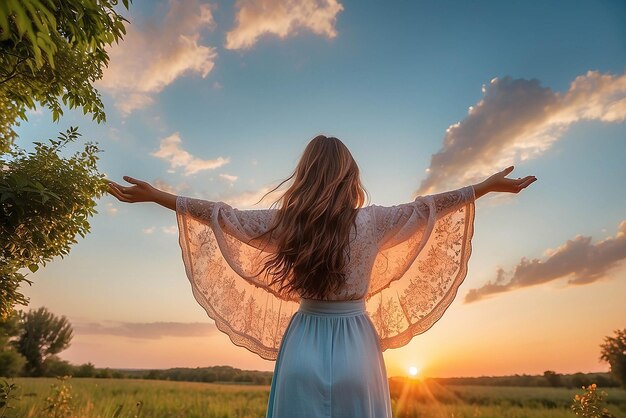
(388,79)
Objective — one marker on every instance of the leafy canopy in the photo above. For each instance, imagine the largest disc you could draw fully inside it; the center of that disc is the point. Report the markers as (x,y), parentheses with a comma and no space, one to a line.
(51,51)
(45,202)
(613,351)
(43,335)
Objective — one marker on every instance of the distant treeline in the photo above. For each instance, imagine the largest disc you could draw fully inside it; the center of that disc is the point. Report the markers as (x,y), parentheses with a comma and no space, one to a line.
(549,378)
(221,374)
(227,374)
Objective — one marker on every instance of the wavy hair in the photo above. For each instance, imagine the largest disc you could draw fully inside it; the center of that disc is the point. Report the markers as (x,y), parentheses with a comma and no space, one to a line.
(314,221)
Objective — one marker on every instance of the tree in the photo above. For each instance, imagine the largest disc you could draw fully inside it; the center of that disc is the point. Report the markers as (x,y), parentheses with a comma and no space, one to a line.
(9,330)
(85,370)
(53,366)
(51,53)
(613,351)
(45,201)
(43,335)
(51,50)
(11,362)
(553,378)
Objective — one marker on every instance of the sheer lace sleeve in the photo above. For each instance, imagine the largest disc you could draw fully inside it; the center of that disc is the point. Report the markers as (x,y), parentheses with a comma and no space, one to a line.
(423,250)
(221,259)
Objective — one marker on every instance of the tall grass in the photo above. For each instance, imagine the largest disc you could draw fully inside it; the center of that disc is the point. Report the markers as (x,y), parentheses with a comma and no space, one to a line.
(411,399)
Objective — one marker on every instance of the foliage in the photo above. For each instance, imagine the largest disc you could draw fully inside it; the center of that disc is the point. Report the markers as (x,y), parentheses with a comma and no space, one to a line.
(11,363)
(553,378)
(51,53)
(613,350)
(85,370)
(575,380)
(9,329)
(53,366)
(591,403)
(7,395)
(51,50)
(45,202)
(59,403)
(43,335)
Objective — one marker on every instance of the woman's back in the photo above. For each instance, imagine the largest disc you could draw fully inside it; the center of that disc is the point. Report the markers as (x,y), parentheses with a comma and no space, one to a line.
(406,261)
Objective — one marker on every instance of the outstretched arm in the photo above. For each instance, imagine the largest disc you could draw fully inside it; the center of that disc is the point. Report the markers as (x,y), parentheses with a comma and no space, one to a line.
(390,220)
(499,183)
(142,191)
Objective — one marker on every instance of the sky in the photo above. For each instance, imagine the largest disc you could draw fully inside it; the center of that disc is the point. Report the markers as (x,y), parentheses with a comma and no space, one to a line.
(217,100)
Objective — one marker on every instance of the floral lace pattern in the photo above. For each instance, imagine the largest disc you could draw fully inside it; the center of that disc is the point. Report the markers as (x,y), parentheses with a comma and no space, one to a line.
(407,261)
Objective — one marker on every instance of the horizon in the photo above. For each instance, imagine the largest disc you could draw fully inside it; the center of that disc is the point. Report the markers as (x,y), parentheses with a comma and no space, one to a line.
(404,376)
(429,96)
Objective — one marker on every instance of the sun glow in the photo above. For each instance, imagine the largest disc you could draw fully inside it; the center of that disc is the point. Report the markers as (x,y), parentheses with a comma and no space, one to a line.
(414,371)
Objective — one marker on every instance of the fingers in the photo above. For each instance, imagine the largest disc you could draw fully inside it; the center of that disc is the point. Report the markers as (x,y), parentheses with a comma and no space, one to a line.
(507,170)
(119,194)
(523,183)
(132,180)
(527,181)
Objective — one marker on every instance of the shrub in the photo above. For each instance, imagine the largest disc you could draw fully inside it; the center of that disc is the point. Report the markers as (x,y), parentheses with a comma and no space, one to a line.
(591,403)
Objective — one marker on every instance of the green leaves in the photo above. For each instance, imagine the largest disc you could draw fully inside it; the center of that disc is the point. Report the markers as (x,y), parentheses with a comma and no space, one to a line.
(43,335)
(51,53)
(46,199)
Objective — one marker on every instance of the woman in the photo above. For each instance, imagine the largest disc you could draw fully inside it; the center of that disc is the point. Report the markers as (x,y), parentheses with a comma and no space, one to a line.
(324,284)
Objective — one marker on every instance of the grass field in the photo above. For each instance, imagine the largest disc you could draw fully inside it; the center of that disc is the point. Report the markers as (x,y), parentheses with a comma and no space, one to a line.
(144,398)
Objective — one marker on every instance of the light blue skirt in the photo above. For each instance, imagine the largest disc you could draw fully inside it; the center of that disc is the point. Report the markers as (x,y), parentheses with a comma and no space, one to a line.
(330,365)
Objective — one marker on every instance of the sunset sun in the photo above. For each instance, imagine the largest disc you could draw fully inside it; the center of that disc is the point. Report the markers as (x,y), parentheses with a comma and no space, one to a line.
(414,371)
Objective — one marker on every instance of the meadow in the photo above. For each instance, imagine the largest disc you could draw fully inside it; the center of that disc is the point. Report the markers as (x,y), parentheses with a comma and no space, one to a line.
(89,397)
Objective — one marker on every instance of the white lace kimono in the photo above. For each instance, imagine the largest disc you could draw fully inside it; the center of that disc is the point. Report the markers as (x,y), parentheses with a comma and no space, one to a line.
(407,262)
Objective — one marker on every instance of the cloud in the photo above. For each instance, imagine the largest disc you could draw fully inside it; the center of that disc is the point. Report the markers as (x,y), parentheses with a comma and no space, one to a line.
(111,209)
(228,177)
(516,120)
(170,188)
(148,230)
(255,18)
(248,198)
(172,229)
(578,259)
(171,151)
(153,55)
(146,330)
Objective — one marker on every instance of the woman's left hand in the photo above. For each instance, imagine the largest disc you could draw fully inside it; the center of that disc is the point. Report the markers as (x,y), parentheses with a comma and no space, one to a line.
(499,183)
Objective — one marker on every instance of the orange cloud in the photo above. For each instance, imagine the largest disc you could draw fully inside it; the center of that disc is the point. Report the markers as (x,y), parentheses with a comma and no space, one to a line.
(248,198)
(516,120)
(255,18)
(577,258)
(147,330)
(152,56)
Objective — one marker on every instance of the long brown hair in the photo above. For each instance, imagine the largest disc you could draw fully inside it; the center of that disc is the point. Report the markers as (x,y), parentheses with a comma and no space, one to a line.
(313,223)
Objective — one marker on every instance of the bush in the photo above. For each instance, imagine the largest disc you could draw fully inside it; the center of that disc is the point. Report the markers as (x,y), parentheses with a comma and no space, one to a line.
(55,367)
(11,363)
(591,403)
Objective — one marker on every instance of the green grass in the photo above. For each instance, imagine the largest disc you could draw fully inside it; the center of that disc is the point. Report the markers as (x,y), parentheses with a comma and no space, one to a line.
(119,398)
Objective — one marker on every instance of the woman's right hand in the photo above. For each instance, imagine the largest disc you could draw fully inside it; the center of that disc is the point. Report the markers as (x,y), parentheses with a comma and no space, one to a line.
(499,183)
(140,192)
